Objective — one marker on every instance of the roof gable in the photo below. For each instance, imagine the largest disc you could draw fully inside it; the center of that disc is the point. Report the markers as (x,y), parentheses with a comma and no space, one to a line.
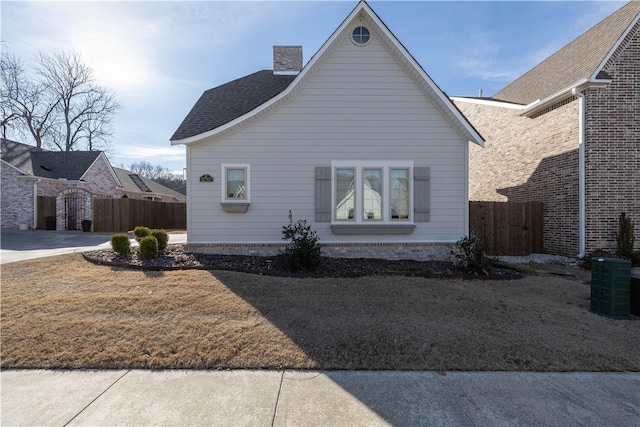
(361,12)
(575,63)
(137,184)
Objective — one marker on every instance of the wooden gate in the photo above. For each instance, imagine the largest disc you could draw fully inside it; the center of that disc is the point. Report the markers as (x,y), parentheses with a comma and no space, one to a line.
(508,228)
(46,208)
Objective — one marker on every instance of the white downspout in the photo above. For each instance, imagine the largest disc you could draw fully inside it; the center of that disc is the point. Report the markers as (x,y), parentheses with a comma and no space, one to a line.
(35,203)
(581,173)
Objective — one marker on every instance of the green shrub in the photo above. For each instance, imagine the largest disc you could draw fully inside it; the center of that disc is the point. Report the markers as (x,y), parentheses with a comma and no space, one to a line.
(470,256)
(148,247)
(625,237)
(162,237)
(120,243)
(141,232)
(303,251)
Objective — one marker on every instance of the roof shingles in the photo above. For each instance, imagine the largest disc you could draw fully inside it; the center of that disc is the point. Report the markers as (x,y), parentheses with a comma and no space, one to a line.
(573,63)
(231,100)
(69,165)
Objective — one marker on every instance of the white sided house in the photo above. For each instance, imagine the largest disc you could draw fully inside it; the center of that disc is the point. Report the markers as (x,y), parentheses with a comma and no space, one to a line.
(360,142)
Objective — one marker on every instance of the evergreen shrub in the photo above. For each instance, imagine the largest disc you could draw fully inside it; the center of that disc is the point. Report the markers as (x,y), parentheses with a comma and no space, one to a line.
(148,247)
(162,237)
(120,243)
(303,251)
(141,232)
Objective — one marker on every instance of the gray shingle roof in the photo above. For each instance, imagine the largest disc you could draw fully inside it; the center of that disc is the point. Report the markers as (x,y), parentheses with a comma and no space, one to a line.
(576,61)
(138,184)
(231,100)
(48,164)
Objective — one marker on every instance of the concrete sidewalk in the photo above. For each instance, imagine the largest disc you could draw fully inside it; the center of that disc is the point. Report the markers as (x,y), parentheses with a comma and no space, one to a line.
(327,398)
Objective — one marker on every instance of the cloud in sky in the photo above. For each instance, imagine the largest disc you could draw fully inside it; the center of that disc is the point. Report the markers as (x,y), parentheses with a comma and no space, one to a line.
(160,56)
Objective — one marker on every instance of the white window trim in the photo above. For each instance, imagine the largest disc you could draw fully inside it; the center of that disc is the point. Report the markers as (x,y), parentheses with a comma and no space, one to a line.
(353,28)
(223,182)
(359,166)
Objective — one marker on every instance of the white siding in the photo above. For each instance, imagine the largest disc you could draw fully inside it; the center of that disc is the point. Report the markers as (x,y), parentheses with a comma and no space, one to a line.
(360,105)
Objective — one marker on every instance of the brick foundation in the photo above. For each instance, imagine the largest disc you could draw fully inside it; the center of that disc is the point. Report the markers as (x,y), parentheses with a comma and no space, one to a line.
(392,251)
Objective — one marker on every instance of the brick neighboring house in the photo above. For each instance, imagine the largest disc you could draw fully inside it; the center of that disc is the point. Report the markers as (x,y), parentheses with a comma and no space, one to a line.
(74,178)
(567,133)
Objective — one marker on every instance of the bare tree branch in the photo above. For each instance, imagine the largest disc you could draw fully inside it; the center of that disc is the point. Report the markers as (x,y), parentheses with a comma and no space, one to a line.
(85,109)
(11,74)
(59,106)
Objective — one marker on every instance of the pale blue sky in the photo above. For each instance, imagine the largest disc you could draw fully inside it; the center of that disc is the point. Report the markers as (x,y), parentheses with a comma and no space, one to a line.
(160,56)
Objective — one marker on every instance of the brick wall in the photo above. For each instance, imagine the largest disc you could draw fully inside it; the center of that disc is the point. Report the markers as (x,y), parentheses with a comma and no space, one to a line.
(100,181)
(529,160)
(16,199)
(393,251)
(612,148)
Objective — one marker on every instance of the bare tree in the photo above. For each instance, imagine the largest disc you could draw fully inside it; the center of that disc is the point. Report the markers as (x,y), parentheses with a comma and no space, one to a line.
(11,71)
(25,104)
(84,110)
(59,105)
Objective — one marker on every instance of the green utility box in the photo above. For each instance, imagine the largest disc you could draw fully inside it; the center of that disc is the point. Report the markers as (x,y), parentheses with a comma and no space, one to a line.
(610,287)
(635,294)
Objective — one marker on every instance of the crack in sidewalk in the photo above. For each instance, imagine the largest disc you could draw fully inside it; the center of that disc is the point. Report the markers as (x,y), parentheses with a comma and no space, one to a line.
(96,398)
(275,409)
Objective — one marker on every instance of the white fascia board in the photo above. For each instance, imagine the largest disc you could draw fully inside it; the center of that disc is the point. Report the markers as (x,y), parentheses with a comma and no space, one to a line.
(276,99)
(615,47)
(488,102)
(580,85)
(472,134)
(54,180)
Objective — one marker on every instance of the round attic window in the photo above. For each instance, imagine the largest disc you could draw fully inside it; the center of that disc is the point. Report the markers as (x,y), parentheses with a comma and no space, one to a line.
(360,36)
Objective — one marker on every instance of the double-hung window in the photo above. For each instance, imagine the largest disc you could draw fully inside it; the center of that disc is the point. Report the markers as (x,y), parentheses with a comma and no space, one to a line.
(372,192)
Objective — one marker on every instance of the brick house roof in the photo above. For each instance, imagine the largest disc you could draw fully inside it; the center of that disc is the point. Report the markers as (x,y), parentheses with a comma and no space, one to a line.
(138,184)
(231,100)
(69,165)
(574,62)
(72,165)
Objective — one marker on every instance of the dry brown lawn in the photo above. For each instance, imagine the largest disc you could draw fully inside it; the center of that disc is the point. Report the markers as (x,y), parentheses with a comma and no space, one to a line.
(64,312)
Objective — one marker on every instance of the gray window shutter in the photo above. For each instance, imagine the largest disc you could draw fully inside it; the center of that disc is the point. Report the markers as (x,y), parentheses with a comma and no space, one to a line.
(323,194)
(421,194)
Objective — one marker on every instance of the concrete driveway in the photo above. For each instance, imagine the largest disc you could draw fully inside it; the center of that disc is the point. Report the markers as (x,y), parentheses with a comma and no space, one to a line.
(16,245)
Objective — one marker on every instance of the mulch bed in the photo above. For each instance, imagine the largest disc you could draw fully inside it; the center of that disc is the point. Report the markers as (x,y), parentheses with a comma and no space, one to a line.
(175,258)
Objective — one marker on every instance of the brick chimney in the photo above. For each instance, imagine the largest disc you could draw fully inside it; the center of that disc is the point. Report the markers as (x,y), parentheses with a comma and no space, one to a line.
(287,60)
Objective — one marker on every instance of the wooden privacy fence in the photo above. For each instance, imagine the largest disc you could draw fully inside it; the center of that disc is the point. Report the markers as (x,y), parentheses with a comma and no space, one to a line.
(121,215)
(508,228)
(46,208)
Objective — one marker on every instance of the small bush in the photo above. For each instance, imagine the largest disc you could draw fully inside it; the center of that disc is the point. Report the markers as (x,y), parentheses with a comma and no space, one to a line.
(148,247)
(625,237)
(303,252)
(141,232)
(162,237)
(120,243)
(471,256)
